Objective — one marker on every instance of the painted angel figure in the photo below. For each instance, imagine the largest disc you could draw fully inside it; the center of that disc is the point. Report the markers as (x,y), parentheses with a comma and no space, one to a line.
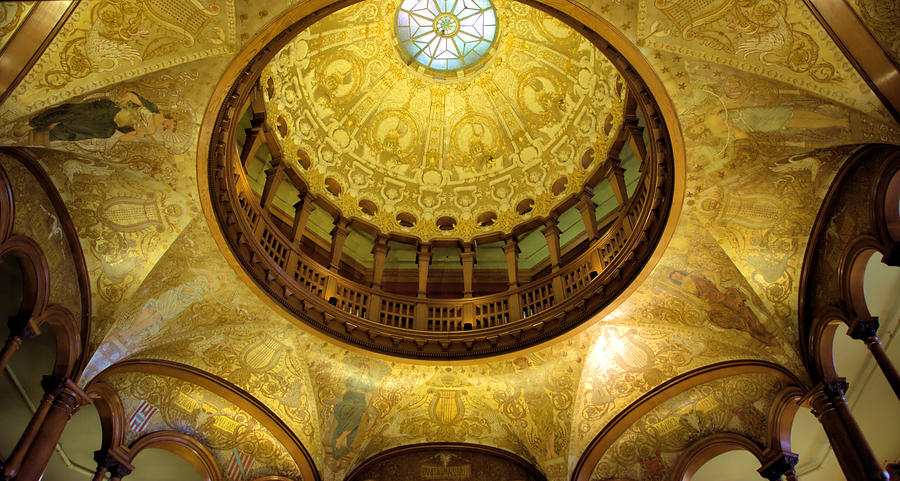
(132,115)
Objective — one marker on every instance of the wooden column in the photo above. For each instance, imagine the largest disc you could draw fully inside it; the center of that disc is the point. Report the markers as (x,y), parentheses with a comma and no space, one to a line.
(865,330)
(511,250)
(16,336)
(551,233)
(253,141)
(588,210)
(423,259)
(467,259)
(616,176)
(635,137)
(11,467)
(855,456)
(274,177)
(67,401)
(780,465)
(380,251)
(302,210)
(338,237)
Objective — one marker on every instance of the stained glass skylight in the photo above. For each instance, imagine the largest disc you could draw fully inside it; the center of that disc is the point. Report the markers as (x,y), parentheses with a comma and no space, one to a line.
(446,35)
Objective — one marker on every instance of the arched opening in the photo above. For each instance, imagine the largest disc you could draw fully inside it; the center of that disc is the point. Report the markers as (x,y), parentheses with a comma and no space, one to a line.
(160,464)
(735,465)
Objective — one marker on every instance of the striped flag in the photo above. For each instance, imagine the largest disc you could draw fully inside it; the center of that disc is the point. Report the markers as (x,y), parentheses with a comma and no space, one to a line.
(141,417)
(238,466)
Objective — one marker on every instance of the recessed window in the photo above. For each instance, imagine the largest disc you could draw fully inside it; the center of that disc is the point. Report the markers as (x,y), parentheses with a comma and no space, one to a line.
(445,35)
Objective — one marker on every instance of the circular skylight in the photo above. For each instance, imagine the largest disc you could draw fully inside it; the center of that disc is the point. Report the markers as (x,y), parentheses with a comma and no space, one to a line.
(446,35)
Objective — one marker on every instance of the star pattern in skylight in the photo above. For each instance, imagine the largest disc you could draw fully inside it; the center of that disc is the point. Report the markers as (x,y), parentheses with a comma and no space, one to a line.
(446,35)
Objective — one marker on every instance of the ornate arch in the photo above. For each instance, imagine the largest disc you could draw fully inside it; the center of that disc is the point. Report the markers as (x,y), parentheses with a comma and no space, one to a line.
(38,270)
(665,391)
(184,447)
(706,448)
(36,288)
(412,449)
(854,222)
(215,385)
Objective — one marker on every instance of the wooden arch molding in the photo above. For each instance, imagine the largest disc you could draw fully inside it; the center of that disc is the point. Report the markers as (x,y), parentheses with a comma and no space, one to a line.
(667,390)
(36,274)
(504,455)
(855,221)
(184,447)
(704,449)
(37,266)
(216,385)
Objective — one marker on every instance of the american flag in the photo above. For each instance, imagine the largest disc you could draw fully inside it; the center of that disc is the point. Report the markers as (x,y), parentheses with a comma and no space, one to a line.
(141,417)
(238,466)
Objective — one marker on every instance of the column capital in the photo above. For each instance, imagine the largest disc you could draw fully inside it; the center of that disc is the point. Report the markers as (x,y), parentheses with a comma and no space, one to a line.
(778,465)
(305,202)
(114,461)
(341,227)
(863,329)
(826,395)
(18,327)
(381,244)
(510,242)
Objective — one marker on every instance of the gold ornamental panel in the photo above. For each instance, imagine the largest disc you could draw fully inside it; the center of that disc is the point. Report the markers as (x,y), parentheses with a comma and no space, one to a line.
(341,95)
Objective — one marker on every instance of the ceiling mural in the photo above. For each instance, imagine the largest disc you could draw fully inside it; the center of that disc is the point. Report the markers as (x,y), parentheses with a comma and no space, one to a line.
(777,39)
(650,448)
(109,41)
(221,426)
(755,123)
(353,112)
(129,197)
(36,218)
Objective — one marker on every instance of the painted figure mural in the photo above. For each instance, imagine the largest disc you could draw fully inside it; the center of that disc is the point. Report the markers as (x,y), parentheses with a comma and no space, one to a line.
(727,307)
(131,115)
(351,411)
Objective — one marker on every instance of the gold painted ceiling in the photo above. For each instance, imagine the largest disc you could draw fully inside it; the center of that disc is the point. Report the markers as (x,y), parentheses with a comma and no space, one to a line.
(346,106)
(764,135)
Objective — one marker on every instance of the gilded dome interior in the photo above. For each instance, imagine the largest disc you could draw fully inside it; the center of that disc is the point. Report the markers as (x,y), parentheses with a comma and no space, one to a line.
(506,142)
(217,303)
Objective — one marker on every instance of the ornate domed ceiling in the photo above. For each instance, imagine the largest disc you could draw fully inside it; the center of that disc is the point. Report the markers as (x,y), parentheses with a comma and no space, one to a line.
(410,151)
(447,165)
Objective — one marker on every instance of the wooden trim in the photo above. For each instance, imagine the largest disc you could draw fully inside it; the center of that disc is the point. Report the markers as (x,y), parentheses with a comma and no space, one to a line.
(68,341)
(704,449)
(781,418)
(22,51)
(36,291)
(665,391)
(184,447)
(73,241)
(861,49)
(228,391)
(7,206)
(112,414)
(424,447)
